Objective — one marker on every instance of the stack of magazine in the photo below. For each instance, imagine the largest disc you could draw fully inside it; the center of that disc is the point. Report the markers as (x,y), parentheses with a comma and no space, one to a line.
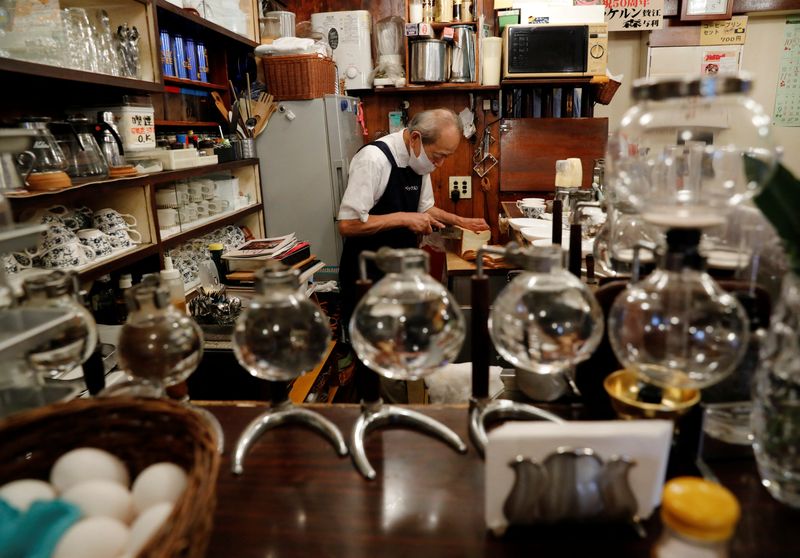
(253,255)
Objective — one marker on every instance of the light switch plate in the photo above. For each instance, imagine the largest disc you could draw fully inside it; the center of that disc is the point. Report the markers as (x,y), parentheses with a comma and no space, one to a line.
(461,183)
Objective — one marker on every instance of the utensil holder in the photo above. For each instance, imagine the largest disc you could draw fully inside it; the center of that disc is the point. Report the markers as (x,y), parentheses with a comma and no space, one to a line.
(247,148)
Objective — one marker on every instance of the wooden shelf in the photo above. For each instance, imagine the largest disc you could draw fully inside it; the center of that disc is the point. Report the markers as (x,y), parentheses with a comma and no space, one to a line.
(556,81)
(225,219)
(438,87)
(438,25)
(169,80)
(79,76)
(183,123)
(123,260)
(193,20)
(155,178)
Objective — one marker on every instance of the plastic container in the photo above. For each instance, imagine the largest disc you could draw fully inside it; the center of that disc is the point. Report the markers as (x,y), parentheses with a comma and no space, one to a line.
(136,124)
(491,52)
(171,277)
(699,519)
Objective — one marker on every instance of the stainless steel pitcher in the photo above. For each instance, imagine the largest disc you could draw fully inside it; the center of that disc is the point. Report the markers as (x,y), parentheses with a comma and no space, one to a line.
(462,54)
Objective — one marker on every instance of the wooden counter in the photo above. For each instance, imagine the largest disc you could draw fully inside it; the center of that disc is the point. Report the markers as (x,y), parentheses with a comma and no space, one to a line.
(297,498)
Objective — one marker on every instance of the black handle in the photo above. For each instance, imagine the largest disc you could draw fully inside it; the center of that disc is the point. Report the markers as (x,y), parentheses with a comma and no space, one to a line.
(557,221)
(102,127)
(480,337)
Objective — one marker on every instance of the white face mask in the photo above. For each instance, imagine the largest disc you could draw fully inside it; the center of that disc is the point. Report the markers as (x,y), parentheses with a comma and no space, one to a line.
(420,165)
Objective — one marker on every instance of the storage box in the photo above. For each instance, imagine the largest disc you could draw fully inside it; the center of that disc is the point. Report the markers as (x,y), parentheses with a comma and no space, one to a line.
(300,76)
(136,125)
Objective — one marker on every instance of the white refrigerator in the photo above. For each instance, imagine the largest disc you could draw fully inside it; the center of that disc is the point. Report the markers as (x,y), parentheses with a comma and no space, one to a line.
(305,154)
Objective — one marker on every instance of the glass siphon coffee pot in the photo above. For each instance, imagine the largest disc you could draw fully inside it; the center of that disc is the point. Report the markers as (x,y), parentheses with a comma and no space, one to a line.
(408,325)
(74,345)
(688,153)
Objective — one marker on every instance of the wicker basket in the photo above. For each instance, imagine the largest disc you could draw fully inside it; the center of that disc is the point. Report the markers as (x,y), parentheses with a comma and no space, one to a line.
(299,76)
(138,431)
(604,92)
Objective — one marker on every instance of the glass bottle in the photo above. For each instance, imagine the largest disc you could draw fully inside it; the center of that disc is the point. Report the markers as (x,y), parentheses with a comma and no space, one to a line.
(76,342)
(102,301)
(427,11)
(699,518)
(415,11)
(776,413)
(546,320)
(677,327)
(172,279)
(282,334)
(159,343)
(408,325)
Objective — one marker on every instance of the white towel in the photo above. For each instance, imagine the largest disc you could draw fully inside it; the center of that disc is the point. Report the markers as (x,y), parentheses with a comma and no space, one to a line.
(287,45)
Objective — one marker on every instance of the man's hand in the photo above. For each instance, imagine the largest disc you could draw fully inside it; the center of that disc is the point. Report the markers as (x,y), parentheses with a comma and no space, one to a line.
(422,223)
(473,224)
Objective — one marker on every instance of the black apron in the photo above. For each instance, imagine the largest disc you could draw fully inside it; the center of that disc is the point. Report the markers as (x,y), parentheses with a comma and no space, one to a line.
(401,195)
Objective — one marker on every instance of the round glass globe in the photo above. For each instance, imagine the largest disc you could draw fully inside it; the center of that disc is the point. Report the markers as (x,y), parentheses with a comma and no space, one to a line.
(546,320)
(281,335)
(678,329)
(408,325)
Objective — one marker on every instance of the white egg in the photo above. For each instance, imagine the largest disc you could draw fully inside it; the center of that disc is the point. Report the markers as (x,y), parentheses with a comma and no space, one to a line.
(24,492)
(102,498)
(93,537)
(85,464)
(146,526)
(161,482)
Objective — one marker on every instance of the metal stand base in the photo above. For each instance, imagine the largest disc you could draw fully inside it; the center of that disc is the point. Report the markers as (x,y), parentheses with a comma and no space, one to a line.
(285,413)
(375,415)
(483,412)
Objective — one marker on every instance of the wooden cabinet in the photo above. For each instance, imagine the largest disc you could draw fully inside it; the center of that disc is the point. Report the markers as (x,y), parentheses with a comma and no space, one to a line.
(34,88)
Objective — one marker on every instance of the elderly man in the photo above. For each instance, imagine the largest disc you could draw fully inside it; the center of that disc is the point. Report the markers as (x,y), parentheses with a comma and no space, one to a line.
(389,197)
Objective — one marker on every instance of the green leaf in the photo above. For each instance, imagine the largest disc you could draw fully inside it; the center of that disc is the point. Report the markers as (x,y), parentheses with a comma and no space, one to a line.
(779,201)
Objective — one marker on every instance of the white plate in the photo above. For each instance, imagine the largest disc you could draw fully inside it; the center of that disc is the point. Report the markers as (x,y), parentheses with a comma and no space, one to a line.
(520,223)
(538,232)
(727,259)
(586,245)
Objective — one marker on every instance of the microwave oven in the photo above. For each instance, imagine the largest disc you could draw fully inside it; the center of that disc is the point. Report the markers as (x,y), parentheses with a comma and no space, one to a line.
(555,50)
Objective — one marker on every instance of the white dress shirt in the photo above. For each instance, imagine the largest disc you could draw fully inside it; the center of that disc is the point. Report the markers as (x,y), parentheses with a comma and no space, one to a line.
(369,176)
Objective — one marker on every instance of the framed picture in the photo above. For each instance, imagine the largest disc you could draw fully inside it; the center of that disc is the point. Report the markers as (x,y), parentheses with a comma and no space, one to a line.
(695,10)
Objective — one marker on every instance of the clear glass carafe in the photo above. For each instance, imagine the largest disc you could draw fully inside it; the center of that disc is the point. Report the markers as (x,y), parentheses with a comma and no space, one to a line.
(76,342)
(776,402)
(690,150)
(282,334)
(677,327)
(84,157)
(546,320)
(49,157)
(158,344)
(408,325)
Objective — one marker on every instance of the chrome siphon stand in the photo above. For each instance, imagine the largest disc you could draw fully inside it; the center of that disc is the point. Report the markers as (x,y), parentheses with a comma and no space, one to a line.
(375,414)
(283,412)
(484,411)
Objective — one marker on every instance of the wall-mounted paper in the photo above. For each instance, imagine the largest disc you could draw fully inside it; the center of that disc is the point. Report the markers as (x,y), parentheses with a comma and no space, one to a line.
(787,94)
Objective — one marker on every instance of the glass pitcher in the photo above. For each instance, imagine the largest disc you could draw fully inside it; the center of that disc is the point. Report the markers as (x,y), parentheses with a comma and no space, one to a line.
(49,156)
(83,155)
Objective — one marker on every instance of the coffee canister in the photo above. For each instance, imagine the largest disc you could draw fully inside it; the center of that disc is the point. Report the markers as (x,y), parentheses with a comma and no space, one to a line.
(167,61)
(429,61)
(191,59)
(462,54)
(179,57)
(202,62)
(286,22)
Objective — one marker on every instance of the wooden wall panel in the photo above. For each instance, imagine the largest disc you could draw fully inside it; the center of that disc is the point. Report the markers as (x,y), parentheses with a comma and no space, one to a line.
(531,147)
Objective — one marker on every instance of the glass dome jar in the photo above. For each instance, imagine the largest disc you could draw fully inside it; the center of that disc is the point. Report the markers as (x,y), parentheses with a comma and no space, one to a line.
(408,325)
(546,320)
(690,150)
(677,327)
(282,334)
(76,342)
(159,343)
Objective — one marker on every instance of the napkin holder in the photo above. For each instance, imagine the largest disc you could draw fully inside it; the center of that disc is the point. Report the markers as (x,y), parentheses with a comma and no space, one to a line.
(572,485)
(606,472)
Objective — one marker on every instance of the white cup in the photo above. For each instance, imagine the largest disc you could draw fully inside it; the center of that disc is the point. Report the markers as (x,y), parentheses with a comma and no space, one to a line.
(187,213)
(218,206)
(167,217)
(171,198)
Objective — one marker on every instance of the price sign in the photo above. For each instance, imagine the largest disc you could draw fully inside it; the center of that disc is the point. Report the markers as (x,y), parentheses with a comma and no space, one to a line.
(730,32)
(634,15)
